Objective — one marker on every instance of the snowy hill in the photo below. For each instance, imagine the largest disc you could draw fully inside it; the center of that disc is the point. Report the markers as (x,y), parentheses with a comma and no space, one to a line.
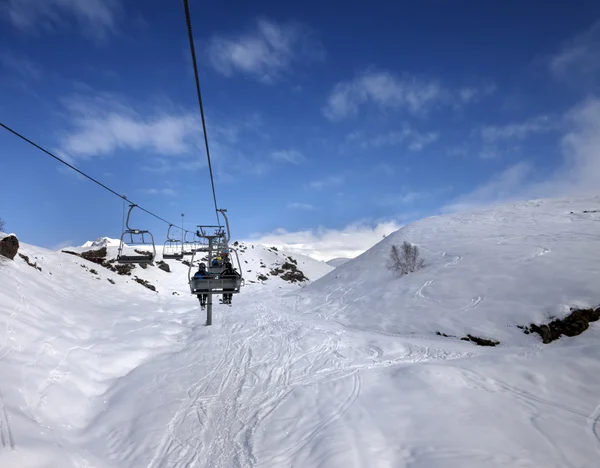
(336,262)
(345,371)
(486,273)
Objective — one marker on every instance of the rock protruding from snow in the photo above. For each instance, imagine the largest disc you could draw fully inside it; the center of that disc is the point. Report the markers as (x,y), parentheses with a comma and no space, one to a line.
(9,246)
(573,324)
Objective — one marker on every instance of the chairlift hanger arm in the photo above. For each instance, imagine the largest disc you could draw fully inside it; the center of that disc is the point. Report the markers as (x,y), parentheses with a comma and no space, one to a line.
(228,237)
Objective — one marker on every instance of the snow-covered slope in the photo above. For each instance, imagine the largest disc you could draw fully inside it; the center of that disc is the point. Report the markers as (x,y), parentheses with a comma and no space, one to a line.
(336,262)
(486,273)
(345,372)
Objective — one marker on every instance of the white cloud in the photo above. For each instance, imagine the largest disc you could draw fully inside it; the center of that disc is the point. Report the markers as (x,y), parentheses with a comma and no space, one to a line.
(300,206)
(266,52)
(325,244)
(578,60)
(290,156)
(385,90)
(327,182)
(578,173)
(96,18)
(518,131)
(103,125)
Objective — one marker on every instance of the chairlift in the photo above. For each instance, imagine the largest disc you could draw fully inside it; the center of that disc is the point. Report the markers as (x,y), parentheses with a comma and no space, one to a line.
(173,248)
(188,246)
(215,283)
(142,258)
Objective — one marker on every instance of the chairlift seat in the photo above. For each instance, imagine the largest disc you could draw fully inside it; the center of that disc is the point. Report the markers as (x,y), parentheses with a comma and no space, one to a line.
(173,256)
(135,258)
(220,285)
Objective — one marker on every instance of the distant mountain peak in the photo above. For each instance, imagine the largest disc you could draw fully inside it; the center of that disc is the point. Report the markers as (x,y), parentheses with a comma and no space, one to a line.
(102,242)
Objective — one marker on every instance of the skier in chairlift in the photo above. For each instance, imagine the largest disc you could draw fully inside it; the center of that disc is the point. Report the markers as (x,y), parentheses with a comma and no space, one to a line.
(202,274)
(228,272)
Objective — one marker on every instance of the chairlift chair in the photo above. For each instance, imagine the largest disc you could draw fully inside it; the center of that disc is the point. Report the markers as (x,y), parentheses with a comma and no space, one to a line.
(215,283)
(143,258)
(173,248)
(188,246)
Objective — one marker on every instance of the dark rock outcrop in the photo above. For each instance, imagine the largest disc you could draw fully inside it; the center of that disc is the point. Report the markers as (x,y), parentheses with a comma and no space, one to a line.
(145,283)
(98,257)
(572,325)
(31,264)
(164,266)
(480,341)
(95,256)
(289,272)
(9,246)
(472,339)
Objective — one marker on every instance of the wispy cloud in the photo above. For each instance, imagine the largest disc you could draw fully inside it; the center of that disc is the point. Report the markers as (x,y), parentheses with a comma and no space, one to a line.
(289,156)
(578,60)
(518,131)
(386,90)
(168,192)
(578,174)
(404,198)
(325,244)
(96,18)
(470,94)
(62,245)
(504,186)
(301,206)
(266,52)
(327,182)
(20,65)
(103,125)
(413,139)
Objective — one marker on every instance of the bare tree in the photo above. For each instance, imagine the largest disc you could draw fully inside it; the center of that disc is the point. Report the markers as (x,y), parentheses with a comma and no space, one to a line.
(406,259)
(1,225)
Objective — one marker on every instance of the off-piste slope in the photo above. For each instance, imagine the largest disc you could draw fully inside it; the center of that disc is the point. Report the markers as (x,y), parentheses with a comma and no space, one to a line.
(485,273)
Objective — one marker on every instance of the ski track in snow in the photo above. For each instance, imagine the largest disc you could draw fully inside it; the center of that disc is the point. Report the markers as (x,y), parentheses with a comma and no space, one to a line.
(457,258)
(6,437)
(420,294)
(224,410)
(542,251)
(594,426)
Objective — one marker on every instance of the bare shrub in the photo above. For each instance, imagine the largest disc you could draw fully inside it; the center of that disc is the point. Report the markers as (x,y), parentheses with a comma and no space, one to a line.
(406,259)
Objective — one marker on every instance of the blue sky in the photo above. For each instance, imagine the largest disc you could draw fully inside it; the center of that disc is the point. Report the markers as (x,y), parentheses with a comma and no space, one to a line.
(328,126)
